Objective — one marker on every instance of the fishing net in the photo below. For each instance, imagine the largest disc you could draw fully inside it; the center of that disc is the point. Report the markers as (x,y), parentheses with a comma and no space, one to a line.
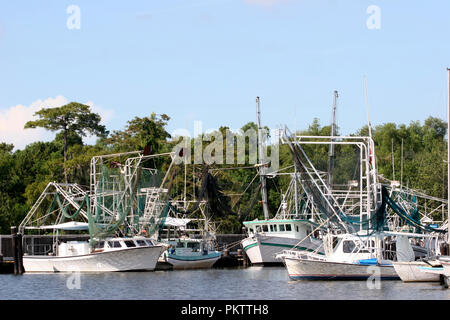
(121,202)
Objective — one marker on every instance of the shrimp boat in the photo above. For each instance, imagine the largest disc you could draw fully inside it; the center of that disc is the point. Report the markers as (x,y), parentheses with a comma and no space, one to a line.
(293,221)
(359,239)
(188,247)
(418,271)
(120,216)
(110,254)
(268,237)
(188,253)
(438,268)
(353,258)
(425,269)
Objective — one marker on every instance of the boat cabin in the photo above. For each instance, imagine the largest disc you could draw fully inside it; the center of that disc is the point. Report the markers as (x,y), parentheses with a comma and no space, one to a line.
(74,248)
(352,248)
(187,246)
(288,228)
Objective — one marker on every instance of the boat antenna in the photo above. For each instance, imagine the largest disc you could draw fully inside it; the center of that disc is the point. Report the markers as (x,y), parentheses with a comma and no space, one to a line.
(401,168)
(262,164)
(392,152)
(367,107)
(295,167)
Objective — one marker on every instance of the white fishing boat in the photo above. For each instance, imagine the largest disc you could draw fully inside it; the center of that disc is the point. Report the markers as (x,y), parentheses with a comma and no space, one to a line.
(438,269)
(186,253)
(441,271)
(413,271)
(410,269)
(110,254)
(190,241)
(118,219)
(358,220)
(266,238)
(354,257)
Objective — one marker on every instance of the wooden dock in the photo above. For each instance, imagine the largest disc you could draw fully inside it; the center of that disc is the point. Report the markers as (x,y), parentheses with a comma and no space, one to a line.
(6,266)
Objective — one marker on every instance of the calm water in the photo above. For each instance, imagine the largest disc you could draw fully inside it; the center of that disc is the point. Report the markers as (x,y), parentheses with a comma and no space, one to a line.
(221,284)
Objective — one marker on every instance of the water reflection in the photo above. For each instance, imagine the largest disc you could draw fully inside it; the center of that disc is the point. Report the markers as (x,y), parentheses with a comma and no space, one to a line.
(261,283)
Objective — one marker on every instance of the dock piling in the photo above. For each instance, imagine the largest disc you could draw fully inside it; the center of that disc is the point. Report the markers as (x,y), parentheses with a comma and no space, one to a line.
(16,244)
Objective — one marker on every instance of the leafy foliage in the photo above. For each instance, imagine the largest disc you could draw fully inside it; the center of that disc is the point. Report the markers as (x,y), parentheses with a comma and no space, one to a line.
(233,191)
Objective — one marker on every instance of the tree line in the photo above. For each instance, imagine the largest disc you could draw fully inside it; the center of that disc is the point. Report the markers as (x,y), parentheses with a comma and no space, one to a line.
(414,153)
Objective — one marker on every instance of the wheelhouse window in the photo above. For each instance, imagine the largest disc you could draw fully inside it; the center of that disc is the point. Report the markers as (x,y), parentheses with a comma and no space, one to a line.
(296,228)
(99,245)
(195,246)
(273,228)
(180,244)
(141,243)
(265,228)
(114,244)
(281,227)
(288,227)
(348,246)
(130,243)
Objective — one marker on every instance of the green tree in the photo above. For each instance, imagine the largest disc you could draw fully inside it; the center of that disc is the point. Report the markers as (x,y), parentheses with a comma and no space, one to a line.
(71,118)
(142,132)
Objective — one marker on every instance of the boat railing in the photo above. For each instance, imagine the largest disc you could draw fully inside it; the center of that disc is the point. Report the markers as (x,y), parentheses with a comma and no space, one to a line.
(300,254)
(39,249)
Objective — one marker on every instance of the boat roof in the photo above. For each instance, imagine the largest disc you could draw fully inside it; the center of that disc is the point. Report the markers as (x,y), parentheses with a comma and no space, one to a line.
(72,225)
(279,221)
(176,222)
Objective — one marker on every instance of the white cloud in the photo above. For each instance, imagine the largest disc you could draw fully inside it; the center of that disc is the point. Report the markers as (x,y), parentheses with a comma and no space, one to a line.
(12,122)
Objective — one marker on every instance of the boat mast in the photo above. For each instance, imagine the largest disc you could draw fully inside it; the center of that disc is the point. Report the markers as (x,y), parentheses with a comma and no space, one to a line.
(448,160)
(295,167)
(262,165)
(367,107)
(333,133)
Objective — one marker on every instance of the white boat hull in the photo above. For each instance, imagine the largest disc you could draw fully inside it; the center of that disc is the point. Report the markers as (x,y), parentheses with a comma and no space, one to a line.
(325,270)
(411,272)
(446,266)
(263,249)
(142,258)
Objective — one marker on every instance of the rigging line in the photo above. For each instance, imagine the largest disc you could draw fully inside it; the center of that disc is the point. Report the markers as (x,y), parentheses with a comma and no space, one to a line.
(235,168)
(275,186)
(252,204)
(248,186)
(312,232)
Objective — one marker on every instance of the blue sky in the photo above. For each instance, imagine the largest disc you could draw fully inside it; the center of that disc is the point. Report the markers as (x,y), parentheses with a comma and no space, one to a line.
(208,60)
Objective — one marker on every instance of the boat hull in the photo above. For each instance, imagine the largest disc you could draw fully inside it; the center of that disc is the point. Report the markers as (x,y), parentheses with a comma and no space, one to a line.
(130,259)
(263,249)
(325,270)
(411,272)
(193,262)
